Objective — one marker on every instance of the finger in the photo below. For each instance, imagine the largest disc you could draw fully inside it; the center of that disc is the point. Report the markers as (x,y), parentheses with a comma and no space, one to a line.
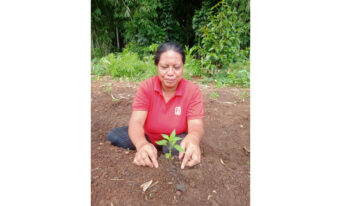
(137,161)
(146,160)
(194,161)
(140,162)
(183,145)
(152,155)
(187,157)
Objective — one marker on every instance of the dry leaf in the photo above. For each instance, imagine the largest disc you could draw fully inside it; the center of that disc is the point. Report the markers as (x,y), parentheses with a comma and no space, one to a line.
(154,184)
(222,162)
(146,185)
(112,97)
(246,149)
(208,197)
(241,126)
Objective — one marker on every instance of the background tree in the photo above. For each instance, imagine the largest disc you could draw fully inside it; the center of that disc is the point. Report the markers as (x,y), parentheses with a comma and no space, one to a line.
(214,33)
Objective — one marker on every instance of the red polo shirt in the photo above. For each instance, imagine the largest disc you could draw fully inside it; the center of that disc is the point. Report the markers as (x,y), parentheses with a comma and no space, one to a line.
(163,118)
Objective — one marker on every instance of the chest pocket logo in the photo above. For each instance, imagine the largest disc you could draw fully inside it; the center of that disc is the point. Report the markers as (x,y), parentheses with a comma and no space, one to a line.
(177,111)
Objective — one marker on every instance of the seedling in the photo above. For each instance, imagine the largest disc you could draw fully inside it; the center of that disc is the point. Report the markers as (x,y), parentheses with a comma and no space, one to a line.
(170,142)
(214,95)
(107,88)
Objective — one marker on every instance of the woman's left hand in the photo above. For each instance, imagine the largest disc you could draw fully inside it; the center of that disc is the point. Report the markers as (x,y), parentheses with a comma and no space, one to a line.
(192,152)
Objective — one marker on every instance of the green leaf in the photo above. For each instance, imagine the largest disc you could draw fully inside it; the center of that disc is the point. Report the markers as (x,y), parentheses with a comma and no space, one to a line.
(165,136)
(177,138)
(179,148)
(173,133)
(161,142)
(167,155)
(172,142)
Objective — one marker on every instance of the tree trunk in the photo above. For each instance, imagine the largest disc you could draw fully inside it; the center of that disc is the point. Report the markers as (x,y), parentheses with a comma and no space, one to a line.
(92,47)
(118,40)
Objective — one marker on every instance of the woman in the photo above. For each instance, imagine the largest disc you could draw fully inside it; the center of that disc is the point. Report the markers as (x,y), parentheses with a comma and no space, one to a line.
(164,103)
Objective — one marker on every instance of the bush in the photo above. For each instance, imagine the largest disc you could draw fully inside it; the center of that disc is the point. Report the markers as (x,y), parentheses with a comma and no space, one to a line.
(142,51)
(127,65)
(238,75)
(98,68)
(192,67)
(221,39)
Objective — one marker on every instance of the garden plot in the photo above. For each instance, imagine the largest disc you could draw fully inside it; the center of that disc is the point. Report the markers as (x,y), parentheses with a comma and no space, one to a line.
(222,177)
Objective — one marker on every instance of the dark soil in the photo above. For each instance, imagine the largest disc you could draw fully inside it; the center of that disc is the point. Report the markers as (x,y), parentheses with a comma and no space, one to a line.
(222,177)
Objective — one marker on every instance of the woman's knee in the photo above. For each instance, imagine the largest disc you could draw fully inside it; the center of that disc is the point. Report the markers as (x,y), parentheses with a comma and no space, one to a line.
(120,137)
(112,137)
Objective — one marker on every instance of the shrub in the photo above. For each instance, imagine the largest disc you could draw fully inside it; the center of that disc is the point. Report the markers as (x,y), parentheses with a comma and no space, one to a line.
(142,51)
(221,39)
(192,66)
(127,65)
(238,74)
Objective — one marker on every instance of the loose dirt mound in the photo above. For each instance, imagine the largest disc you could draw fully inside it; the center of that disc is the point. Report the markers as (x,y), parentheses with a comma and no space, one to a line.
(222,178)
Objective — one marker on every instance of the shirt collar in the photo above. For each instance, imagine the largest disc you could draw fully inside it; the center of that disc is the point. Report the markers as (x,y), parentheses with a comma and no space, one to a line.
(179,90)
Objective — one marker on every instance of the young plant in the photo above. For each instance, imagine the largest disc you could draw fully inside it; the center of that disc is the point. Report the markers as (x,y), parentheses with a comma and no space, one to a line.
(170,142)
(107,88)
(214,95)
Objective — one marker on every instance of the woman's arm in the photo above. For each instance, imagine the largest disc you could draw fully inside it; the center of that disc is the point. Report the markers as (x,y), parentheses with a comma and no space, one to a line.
(146,154)
(191,143)
(135,129)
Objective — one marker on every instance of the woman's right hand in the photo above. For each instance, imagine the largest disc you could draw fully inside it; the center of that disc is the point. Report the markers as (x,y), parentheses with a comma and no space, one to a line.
(146,155)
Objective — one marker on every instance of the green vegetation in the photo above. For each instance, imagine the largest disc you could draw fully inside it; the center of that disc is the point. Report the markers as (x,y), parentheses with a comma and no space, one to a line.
(170,142)
(107,88)
(215,35)
(127,65)
(214,95)
(242,95)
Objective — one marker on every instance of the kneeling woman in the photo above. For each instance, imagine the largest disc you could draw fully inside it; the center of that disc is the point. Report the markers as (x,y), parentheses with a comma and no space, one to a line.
(164,103)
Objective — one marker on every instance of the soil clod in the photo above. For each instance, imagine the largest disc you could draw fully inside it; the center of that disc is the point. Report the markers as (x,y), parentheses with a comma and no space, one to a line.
(181,187)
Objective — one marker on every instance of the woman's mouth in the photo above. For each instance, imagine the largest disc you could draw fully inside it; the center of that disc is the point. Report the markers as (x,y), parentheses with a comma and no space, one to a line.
(170,80)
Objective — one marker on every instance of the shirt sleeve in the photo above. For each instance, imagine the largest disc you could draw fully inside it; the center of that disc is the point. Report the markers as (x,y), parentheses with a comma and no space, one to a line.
(142,98)
(196,107)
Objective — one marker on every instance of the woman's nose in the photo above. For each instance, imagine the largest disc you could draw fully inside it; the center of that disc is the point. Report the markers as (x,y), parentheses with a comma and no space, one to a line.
(170,70)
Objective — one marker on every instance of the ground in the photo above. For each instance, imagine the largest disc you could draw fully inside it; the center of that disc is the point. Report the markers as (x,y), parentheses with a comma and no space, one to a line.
(222,177)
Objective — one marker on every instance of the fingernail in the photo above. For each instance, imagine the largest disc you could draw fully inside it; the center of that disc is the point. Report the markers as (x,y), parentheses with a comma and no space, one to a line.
(182,167)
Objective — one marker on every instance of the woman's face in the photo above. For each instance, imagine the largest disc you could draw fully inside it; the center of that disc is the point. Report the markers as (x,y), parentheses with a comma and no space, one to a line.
(170,69)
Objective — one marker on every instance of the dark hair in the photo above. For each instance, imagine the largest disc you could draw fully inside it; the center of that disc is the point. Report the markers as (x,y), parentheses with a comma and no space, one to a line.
(169,46)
